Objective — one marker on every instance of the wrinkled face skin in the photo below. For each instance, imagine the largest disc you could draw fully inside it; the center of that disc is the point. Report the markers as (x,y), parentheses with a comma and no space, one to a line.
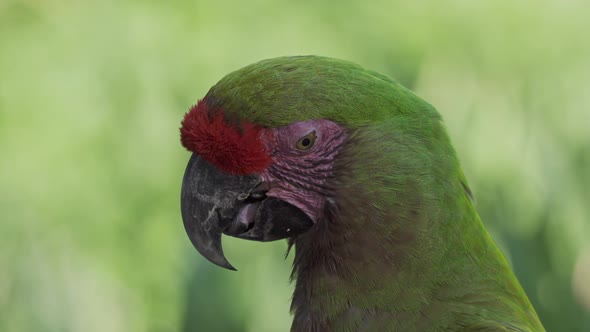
(303,156)
(254,183)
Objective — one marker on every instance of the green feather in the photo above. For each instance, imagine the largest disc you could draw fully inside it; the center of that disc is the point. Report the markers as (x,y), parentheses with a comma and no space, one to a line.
(406,250)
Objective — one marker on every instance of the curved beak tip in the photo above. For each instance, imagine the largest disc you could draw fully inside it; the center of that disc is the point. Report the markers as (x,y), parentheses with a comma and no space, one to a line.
(210,248)
(219,259)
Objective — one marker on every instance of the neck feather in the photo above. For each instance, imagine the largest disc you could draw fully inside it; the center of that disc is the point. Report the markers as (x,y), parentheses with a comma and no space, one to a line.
(423,258)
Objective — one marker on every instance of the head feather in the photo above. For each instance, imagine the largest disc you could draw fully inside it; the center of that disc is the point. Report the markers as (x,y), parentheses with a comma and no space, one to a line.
(233,149)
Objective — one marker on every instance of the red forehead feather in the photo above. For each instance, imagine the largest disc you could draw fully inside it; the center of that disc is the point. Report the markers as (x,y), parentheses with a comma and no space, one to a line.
(233,150)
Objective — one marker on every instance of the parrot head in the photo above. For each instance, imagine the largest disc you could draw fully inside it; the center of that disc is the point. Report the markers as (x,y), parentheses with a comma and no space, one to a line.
(266,145)
(252,182)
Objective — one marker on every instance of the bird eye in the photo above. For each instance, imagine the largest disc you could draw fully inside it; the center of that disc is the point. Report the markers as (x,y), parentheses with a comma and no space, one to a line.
(306,142)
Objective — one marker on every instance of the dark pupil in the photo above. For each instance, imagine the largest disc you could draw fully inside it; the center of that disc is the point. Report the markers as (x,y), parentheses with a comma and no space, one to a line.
(306,142)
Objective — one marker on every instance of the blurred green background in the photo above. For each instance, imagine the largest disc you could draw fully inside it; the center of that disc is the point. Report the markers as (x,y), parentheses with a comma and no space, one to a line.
(91,98)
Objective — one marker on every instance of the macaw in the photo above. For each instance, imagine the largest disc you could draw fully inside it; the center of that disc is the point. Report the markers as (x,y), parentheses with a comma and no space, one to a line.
(359,175)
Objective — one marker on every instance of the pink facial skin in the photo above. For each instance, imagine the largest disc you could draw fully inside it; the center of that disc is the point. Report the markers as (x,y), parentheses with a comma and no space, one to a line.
(300,177)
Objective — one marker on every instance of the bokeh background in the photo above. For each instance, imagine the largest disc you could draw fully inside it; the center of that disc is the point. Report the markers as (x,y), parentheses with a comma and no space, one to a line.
(91,98)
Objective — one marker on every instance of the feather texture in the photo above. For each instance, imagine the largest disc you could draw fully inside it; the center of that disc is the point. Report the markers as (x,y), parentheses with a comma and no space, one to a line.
(400,246)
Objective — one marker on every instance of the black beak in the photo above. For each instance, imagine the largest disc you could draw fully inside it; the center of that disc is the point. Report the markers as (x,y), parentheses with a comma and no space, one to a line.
(214,202)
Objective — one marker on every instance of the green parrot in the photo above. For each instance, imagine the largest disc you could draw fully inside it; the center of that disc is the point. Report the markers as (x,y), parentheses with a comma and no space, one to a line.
(359,174)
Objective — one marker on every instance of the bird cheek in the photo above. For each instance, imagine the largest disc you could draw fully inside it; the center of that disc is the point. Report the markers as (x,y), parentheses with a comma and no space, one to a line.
(280,187)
